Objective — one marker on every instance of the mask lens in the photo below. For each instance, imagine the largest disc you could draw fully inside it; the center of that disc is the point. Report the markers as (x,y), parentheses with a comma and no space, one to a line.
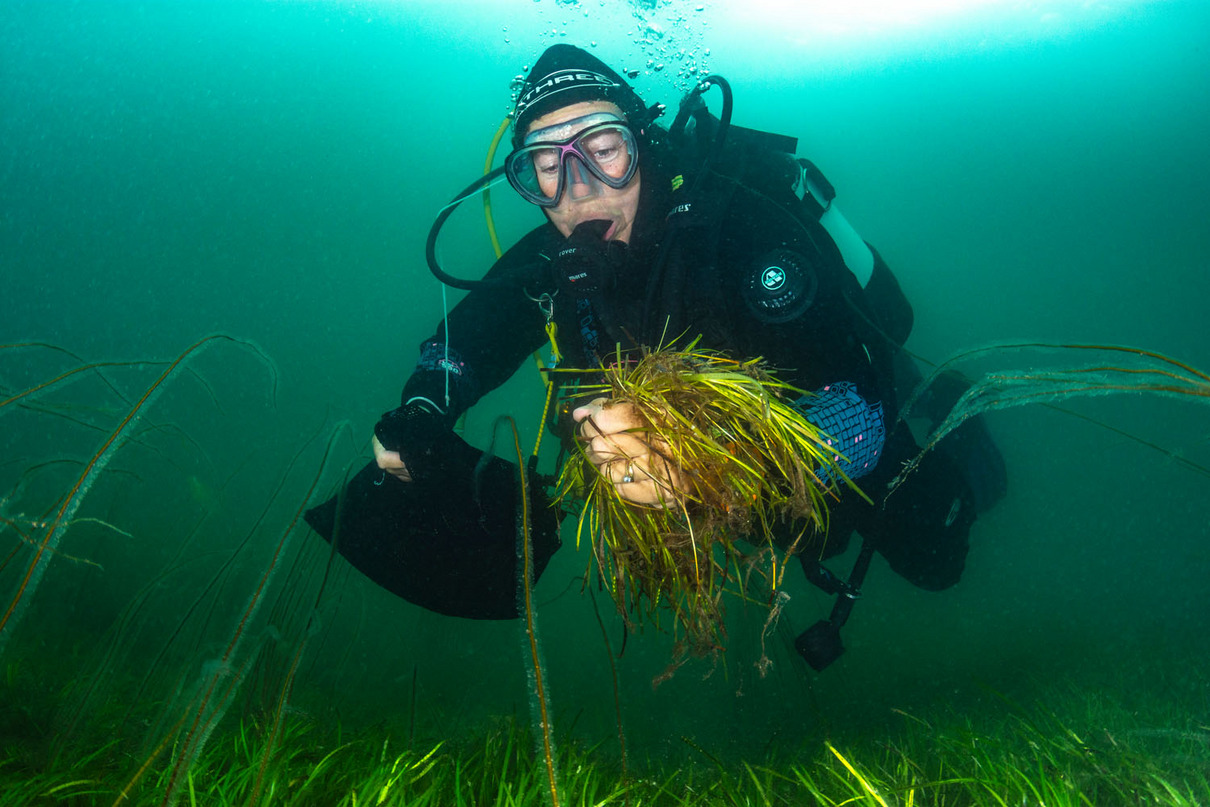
(609,151)
(534,171)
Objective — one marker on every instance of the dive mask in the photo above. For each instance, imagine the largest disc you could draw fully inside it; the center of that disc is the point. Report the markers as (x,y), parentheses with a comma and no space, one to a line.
(602,153)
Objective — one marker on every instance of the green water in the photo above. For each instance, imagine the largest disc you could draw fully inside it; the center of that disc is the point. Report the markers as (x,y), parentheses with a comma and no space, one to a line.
(270,171)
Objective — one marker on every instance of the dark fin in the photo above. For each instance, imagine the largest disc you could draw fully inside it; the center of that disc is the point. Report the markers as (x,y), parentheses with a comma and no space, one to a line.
(446,544)
(923,527)
(970,446)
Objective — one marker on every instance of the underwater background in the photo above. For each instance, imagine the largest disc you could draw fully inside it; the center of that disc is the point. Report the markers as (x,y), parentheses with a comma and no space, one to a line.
(1032,172)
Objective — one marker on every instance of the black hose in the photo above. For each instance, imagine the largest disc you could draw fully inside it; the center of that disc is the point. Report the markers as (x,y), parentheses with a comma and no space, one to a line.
(689,106)
(724,120)
(430,248)
(656,278)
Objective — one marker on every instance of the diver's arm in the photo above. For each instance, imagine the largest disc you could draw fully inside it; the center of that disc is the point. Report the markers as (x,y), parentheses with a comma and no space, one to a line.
(490,333)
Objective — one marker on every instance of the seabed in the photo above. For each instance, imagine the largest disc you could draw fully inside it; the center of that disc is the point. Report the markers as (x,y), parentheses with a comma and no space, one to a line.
(1081,748)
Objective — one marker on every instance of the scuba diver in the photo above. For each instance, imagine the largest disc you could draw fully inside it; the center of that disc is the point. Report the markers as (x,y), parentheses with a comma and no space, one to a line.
(700,230)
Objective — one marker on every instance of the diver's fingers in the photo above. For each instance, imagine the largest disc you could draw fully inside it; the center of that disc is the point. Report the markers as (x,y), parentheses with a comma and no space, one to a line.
(589,410)
(601,417)
(628,456)
(390,461)
(606,448)
(611,430)
(649,479)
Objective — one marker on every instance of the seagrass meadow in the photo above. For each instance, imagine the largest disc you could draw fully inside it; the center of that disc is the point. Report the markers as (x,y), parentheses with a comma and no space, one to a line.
(212,284)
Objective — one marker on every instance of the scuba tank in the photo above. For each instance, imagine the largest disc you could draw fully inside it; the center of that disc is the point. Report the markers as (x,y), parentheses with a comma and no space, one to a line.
(814,188)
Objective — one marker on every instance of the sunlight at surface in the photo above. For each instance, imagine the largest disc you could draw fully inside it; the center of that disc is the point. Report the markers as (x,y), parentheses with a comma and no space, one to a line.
(852,14)
(828,35)
(879,30)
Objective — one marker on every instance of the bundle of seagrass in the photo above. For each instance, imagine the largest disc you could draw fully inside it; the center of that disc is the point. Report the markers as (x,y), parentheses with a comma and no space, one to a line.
(746,466)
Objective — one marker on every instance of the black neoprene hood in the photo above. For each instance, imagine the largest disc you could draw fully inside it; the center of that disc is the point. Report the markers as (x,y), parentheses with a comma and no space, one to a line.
(566,75)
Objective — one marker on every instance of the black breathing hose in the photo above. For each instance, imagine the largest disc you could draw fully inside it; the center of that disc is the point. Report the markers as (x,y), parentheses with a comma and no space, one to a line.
(690,105)
(430,248)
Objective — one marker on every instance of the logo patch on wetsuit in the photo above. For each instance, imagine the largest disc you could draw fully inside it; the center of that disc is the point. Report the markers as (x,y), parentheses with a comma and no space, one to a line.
(773,278)
(780,286)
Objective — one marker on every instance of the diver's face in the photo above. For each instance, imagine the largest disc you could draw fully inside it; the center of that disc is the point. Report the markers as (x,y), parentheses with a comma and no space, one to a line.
(618,205)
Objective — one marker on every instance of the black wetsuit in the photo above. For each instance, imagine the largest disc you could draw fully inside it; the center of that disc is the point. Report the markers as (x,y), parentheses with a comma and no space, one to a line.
(705,269)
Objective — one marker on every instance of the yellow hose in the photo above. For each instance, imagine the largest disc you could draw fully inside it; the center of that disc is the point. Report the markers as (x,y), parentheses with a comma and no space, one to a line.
(487,192)
(491,232)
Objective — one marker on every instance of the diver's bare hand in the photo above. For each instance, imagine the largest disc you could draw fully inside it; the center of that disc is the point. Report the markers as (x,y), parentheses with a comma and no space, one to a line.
(391,462)
(627,455)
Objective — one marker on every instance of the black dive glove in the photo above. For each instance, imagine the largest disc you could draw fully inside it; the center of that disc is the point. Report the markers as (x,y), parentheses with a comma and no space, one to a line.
(419,433)
(586,263)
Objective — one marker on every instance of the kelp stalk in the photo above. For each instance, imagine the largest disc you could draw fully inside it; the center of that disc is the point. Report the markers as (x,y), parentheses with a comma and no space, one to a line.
(540,698)
(63,518)
(1152,373)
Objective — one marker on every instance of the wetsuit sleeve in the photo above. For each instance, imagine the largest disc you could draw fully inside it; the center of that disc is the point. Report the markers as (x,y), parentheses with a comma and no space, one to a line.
(487,335)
